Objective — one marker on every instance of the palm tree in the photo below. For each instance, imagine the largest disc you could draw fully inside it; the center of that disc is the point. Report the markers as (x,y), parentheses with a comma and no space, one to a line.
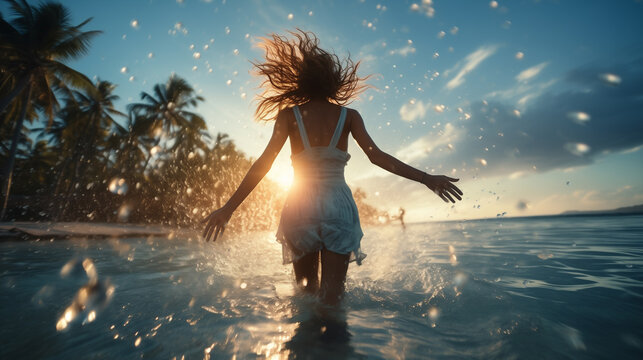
(94,110)
(127,147)
(34,45)
(166,111)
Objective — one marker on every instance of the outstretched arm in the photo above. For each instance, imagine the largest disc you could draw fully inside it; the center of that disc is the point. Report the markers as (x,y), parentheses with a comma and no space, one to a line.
(216,221)
(441,185)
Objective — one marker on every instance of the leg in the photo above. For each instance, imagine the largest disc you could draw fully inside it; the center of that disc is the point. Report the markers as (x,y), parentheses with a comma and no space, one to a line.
(334,267)
(307,272)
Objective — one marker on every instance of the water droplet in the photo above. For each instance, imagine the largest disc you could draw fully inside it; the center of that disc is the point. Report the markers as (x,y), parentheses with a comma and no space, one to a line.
(194,68)
(441,34)
(579,117)
(436,55)
(118,186)
(439,108)
(123,69)
(134,24)
(520,55)
(578,149)
(137,342)
(227,30)
(196,55)
(132,78)
(235,51)
(124,212)
(243,285)
(454,30)
(290,16)
(229,82)
(61,324)
(310,13)
(434,313)
(493,4)
(610,79)
(150,55)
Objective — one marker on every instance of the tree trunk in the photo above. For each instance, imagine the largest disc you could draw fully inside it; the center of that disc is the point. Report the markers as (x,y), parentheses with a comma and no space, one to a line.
(5,101)
(77,159)
(8,170)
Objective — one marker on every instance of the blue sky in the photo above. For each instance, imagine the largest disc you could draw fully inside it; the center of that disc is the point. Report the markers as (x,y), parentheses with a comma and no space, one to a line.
(535,105)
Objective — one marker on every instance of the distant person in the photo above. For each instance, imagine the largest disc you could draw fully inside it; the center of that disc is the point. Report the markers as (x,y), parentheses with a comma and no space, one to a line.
(400,216)
(305,88)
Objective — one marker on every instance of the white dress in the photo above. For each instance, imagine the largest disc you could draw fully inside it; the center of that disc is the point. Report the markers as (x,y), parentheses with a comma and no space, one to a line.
(320,212)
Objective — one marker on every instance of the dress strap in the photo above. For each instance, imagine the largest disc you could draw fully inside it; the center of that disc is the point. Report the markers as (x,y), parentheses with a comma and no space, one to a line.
(338,129)
(302,129)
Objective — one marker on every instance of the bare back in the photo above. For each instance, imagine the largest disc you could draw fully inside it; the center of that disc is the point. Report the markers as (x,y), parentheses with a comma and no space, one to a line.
(320,120)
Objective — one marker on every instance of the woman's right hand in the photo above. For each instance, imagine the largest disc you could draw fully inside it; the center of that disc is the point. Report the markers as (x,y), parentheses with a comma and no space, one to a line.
(442,186)
(215,223)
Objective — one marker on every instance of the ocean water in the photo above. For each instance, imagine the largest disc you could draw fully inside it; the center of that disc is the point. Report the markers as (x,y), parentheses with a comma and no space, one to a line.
(530,288)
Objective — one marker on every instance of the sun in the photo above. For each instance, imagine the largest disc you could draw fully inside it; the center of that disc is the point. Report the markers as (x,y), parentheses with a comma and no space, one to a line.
(282,175)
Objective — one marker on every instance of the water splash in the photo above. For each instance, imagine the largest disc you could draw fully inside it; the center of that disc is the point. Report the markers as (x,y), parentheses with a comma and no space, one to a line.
(89,299)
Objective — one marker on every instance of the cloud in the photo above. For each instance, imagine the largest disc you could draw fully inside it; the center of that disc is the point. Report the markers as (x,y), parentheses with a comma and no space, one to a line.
(522,92)
(413,110)
(533,71)
(403,51)
(543,137)
(425,145)
(470,63)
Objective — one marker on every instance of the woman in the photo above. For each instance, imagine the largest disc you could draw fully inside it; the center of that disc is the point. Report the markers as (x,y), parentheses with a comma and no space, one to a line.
(304,90)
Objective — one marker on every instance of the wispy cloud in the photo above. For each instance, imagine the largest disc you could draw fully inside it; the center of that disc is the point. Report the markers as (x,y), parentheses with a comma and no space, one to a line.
(413,110)
(422,147)
(533,71)
(469,64)
(522,92)
(403,51)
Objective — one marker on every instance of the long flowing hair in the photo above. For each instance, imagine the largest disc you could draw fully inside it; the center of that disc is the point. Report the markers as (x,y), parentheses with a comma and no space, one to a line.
(297,70)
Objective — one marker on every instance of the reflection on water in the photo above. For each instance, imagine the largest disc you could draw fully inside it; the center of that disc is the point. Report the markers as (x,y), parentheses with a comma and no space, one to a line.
(507,288)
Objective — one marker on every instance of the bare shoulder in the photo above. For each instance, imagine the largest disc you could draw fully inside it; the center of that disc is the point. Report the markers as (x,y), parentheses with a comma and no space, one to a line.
(284,117)
(353,116)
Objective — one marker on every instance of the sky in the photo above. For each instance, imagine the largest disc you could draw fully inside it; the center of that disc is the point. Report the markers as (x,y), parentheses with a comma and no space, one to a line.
(536,105)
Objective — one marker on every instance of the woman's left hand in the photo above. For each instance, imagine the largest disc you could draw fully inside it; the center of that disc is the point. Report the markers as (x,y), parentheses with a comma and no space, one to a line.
(215,223)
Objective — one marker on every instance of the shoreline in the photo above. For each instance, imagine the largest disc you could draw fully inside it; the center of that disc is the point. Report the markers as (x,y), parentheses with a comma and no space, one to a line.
(24,230)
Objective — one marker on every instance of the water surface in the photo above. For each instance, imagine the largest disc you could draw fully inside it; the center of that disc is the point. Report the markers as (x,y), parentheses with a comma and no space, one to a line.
(551,287)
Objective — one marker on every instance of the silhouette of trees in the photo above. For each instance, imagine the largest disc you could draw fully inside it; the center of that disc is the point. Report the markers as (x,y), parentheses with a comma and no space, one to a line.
(34,46)
(87,161)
